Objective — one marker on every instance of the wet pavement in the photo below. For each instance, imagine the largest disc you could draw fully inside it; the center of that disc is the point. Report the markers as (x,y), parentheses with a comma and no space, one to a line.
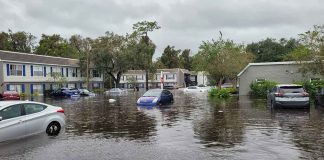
(194,127)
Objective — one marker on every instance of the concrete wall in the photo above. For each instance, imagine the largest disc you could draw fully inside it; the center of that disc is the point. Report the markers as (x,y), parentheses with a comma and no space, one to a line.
(280,73)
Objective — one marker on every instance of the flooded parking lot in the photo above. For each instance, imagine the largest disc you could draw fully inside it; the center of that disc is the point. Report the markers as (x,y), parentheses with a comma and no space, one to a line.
(194,127)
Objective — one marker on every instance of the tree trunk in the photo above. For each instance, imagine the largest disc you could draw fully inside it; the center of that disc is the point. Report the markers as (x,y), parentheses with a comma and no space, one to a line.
(220,82)
(146,79)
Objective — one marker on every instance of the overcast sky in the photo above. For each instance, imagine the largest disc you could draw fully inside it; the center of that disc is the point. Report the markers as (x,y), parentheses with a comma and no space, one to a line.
(184,23)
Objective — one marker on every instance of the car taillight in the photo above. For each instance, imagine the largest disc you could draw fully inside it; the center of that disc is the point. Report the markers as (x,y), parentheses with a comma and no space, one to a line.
(60,110)
(278,94)
(305,94)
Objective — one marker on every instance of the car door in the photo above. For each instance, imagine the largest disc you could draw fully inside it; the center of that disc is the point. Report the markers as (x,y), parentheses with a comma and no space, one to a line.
(11,124)
(164,97)
(169,95)
(35,118)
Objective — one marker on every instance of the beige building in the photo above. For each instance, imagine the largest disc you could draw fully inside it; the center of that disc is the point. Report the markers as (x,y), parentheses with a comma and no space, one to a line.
(171,77)
(280,72)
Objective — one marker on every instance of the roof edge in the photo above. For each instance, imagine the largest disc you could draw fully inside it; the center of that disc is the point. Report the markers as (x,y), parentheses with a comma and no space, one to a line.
(268,64)
(37,55)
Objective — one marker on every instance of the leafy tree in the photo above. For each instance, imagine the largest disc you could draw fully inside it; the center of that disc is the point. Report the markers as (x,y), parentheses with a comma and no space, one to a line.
(5,41)
(269,50)
(17,42)
(83,48)
(221,59)
(185,60)
(312,50)
(55,45)
(143,46)
(57,79)
(111,55)
(170,57)
(158,63)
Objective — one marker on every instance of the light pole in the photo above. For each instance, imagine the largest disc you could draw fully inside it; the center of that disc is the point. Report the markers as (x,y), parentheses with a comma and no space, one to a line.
(161,79)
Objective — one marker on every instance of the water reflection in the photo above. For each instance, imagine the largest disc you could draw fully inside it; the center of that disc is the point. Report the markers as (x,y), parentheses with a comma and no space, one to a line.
(194,127)
(102,119)
(219,124)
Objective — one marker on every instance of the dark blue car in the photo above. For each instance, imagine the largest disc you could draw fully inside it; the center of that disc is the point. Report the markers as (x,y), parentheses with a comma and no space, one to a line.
(155,97)
(65,92)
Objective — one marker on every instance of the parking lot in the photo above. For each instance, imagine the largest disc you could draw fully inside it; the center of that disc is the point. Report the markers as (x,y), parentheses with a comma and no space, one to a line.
(193,127)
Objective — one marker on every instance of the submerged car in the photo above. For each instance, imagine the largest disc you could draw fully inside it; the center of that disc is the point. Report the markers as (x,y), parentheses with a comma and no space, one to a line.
(155,97)
(288,95)
(65,92)
(116,91)
(319,99)
(194,89)
(85,92)
(19,119)
(10,95)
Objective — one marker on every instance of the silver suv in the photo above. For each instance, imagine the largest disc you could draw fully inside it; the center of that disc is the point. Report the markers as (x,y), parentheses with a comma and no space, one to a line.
(288,95)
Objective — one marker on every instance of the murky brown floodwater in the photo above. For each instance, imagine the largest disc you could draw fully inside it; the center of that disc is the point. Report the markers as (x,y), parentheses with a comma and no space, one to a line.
(194,127)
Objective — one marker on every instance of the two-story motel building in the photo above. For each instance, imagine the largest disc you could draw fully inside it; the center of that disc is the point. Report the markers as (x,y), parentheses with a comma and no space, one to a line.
(175,77)
(30,73)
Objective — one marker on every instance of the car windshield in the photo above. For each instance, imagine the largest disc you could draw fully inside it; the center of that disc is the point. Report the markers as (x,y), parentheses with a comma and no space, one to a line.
(291,89)
(152,93)
(85,91)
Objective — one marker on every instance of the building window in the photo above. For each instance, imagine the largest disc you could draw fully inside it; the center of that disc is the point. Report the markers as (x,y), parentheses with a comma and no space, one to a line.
(38,88)
(95,73)
(170,76)
(139,77)
(15,87)
(16,70)
(96,85)
(56,70)
(157,76)
(74,72)
(38,71)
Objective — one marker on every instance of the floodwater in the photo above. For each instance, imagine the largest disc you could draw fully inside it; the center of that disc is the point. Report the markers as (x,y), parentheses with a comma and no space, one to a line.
(194,127)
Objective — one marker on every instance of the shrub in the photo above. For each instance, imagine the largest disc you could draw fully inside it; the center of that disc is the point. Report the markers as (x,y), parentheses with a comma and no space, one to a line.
(260,89)
(22,95)
(219,93)
(312,87)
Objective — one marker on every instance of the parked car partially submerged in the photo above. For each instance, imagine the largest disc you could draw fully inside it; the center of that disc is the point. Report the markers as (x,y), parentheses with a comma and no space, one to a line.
(155,97)
(65,92)
(116,91)
(288,95)
(319,99)
(19,119)
(85,92)
(10,95)
(194,89)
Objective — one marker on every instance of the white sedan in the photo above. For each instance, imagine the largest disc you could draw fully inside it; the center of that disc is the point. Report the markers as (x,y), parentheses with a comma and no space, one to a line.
(116,91)
(194,89)
(20,119)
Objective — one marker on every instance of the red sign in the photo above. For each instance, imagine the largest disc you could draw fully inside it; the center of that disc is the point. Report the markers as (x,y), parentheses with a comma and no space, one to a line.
(162,80)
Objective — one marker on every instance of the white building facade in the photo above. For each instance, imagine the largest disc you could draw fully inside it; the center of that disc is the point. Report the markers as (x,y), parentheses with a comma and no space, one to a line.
(30,73)
(171,77)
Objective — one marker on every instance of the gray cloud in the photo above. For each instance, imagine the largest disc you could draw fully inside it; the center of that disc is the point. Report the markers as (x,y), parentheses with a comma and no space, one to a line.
(185,23)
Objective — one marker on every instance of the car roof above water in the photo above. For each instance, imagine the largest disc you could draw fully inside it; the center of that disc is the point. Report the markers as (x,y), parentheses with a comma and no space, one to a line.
(8,103)
(289,85)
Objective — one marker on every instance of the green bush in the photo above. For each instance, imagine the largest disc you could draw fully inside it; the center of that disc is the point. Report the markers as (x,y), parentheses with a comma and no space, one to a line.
(220,93)
(260,89)
(312,87)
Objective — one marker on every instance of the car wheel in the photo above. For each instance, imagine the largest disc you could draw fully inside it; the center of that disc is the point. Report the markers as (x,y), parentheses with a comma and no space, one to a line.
(53,129)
